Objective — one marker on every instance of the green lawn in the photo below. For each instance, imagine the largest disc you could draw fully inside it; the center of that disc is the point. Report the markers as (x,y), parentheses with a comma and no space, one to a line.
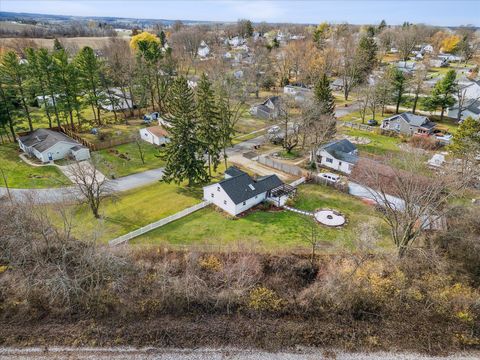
(125,159)
(21,175)
(271,230)
(131,210)
(356,117)
(379,144)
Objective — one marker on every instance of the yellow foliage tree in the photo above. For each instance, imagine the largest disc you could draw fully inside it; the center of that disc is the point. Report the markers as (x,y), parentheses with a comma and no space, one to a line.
(449,44)
(143,36)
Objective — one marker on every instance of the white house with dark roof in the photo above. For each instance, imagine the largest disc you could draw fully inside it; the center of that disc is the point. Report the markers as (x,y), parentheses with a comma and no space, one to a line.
(409,124)
(339,155)
(239,192)
(48,145)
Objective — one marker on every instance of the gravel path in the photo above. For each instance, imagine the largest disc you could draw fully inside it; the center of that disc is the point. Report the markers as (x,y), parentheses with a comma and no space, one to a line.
(209,354)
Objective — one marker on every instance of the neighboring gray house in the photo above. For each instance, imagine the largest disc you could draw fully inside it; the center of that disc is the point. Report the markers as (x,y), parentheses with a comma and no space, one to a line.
(269,109)
(239,192)
(339,155)
(48,145)
(409,124)
(471,108)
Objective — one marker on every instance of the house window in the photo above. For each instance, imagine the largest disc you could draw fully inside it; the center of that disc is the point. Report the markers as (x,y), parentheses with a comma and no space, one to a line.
(256,196)
(218,188)
(339,163)
(244,203)
(225,202)
(397,127)
(213,195)
(329,160)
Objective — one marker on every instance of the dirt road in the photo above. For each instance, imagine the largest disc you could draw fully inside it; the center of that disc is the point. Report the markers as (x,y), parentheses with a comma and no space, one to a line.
(208,354)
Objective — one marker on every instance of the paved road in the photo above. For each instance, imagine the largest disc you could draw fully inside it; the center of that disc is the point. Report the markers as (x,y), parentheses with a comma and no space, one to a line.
(208,354)
(54,195)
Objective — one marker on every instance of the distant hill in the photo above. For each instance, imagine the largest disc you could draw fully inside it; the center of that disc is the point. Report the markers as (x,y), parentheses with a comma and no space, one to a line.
(113,21)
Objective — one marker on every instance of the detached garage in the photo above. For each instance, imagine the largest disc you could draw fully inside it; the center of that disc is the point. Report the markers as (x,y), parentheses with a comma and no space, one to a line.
(155,135)
(48,145)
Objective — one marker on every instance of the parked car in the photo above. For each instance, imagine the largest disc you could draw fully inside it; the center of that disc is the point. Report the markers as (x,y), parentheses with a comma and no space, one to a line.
(372,122)
(333,178)
(274,129)
(148,118)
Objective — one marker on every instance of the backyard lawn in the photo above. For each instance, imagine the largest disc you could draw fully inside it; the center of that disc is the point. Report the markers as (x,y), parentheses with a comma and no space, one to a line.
(21,175)
(378,145)
(131,210)
(124,159)
(271,230)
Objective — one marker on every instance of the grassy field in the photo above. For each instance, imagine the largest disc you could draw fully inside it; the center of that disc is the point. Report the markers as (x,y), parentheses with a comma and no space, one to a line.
(271,230)
(21,175)
(125,159)
(356,117)
(379,144)
(131,210)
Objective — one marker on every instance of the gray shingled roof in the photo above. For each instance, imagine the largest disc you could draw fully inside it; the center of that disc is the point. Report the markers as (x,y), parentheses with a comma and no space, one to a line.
(472,105)
(416,120)
(342,150)
(239,188)
(234,171)
(44,139)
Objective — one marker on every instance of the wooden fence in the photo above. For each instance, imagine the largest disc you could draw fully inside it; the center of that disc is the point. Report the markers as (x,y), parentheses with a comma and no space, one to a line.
(100,146)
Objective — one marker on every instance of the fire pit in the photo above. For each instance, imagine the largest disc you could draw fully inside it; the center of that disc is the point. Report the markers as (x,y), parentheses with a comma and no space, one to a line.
(329,218)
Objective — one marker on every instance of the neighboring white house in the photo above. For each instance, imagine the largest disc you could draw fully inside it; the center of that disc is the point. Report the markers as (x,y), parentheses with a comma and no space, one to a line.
(296,89)
(48,145)
(409,124)
(238,192)
(339,155)
(155,135)
(203,50)
(236,41)
(470,108)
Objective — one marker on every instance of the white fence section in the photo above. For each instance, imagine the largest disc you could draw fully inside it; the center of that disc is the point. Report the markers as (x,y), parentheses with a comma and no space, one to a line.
(157,224)
(298,182)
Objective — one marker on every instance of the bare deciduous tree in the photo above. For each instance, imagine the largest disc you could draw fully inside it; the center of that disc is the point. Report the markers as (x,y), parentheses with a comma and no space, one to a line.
(409,203)
(91,184)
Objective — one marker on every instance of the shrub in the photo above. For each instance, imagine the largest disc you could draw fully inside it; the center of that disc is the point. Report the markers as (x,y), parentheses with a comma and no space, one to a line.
(425,143)
(210,263)
(264,299)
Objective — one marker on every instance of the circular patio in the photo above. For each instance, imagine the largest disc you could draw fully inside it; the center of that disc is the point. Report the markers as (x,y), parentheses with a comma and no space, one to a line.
(329,217)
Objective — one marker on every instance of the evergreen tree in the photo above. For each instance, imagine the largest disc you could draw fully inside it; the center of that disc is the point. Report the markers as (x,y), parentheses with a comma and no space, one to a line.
(13,73)
(184,154)
(442,93)
(367,50)
(57,45)
(228,118)
(67,84)
(382,26)
(6,109)
(466,140)
(48,67)
(324,97)
(89,69)
(37,81)
(208,119)
(399,85)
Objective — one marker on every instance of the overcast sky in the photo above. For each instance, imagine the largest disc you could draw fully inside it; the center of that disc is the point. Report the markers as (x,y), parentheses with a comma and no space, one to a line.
(435,12)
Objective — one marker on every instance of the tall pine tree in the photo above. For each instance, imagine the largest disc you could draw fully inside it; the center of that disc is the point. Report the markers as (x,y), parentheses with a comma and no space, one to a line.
(208,119)
(324,97)
(184,154)
(442,93)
